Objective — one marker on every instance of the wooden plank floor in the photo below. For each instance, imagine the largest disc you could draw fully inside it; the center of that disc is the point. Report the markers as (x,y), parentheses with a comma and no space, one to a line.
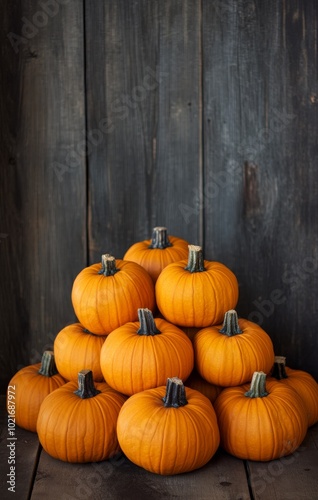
(39,476)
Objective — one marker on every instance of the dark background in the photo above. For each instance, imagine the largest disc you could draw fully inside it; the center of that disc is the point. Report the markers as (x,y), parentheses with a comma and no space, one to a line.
(197,115)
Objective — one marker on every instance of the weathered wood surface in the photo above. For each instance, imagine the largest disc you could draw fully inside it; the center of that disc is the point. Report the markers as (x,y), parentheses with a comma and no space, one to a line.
(43,176)
(201,116)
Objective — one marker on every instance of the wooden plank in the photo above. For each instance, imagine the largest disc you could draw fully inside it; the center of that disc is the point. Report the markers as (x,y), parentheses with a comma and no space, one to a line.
(260,130)
(18,449)
(43,193)
(294,476)
(144,109)
(222,478)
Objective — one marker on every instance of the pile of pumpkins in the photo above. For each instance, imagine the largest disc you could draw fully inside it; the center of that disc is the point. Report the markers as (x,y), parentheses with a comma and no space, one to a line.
(161,368)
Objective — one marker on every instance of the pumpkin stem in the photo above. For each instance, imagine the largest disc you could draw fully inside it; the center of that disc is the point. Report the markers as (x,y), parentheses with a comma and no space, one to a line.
(175,393)
(86,388)
(160,238)
(230,325)
(48,366)
(147,323)
(195,259)
(258,386)
(108,265)
(279,371)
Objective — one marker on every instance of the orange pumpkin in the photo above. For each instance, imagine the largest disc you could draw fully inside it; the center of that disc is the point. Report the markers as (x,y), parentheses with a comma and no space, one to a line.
(228,355)
(195,381)
(75,348)
(28,388)
(302,382)
(169,429)
(155,254)
(196,292)
(77,423)
(263,421)
(107,295)
(142,355)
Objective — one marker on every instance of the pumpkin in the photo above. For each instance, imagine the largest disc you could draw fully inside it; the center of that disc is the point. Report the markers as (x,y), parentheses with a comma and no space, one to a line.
(76,348)
(195,381)
(107,295)
(302,382)
(28,388)
(228,355)
(169,429)
(261,421)
(77,423)
(142,355)
(196,292)
(158,252)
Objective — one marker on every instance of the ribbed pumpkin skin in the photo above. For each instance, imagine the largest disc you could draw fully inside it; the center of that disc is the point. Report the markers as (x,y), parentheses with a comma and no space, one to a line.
(78,430)
(103,303)
(264,428)
(230,361)
(168,440)
(156,259)
(132,363)
(211,391)
(307,388)
(75,350)
(30,389)
(196,299)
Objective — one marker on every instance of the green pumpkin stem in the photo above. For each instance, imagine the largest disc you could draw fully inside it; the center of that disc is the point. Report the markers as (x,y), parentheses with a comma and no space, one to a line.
(230,325)
(108,265)
(86,388)
(147,323)
(279,371)
(195,259)
(48,366)
(258,386)
(160,238)
(175,393)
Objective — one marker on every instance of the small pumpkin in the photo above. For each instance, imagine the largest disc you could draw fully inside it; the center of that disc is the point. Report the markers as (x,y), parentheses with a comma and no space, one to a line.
(77,423)
(302,382)
(197,292)
(107,295)
(262,421)
(228,355)
(156,253)
(76,348)
(28,388)
(169,429)
(143,354)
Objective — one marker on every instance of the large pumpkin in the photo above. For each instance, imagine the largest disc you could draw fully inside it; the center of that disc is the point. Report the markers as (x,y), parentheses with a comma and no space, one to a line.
(262,421)
(303,383)
(228,355)
(142,355)
(28,388)
(108,295)
(168,430)
(195,381)
(76,349)
(77,423)
(197,292)
(159,251)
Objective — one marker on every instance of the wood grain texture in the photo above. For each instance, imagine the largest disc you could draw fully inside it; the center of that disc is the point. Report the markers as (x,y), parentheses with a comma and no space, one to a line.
(260,185)
(43,193)
(144,99)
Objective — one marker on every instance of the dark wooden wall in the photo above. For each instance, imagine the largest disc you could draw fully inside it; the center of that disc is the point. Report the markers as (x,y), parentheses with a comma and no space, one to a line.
(197,115)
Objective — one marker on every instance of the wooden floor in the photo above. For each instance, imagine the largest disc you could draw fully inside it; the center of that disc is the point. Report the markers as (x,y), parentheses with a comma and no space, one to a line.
(38,476)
